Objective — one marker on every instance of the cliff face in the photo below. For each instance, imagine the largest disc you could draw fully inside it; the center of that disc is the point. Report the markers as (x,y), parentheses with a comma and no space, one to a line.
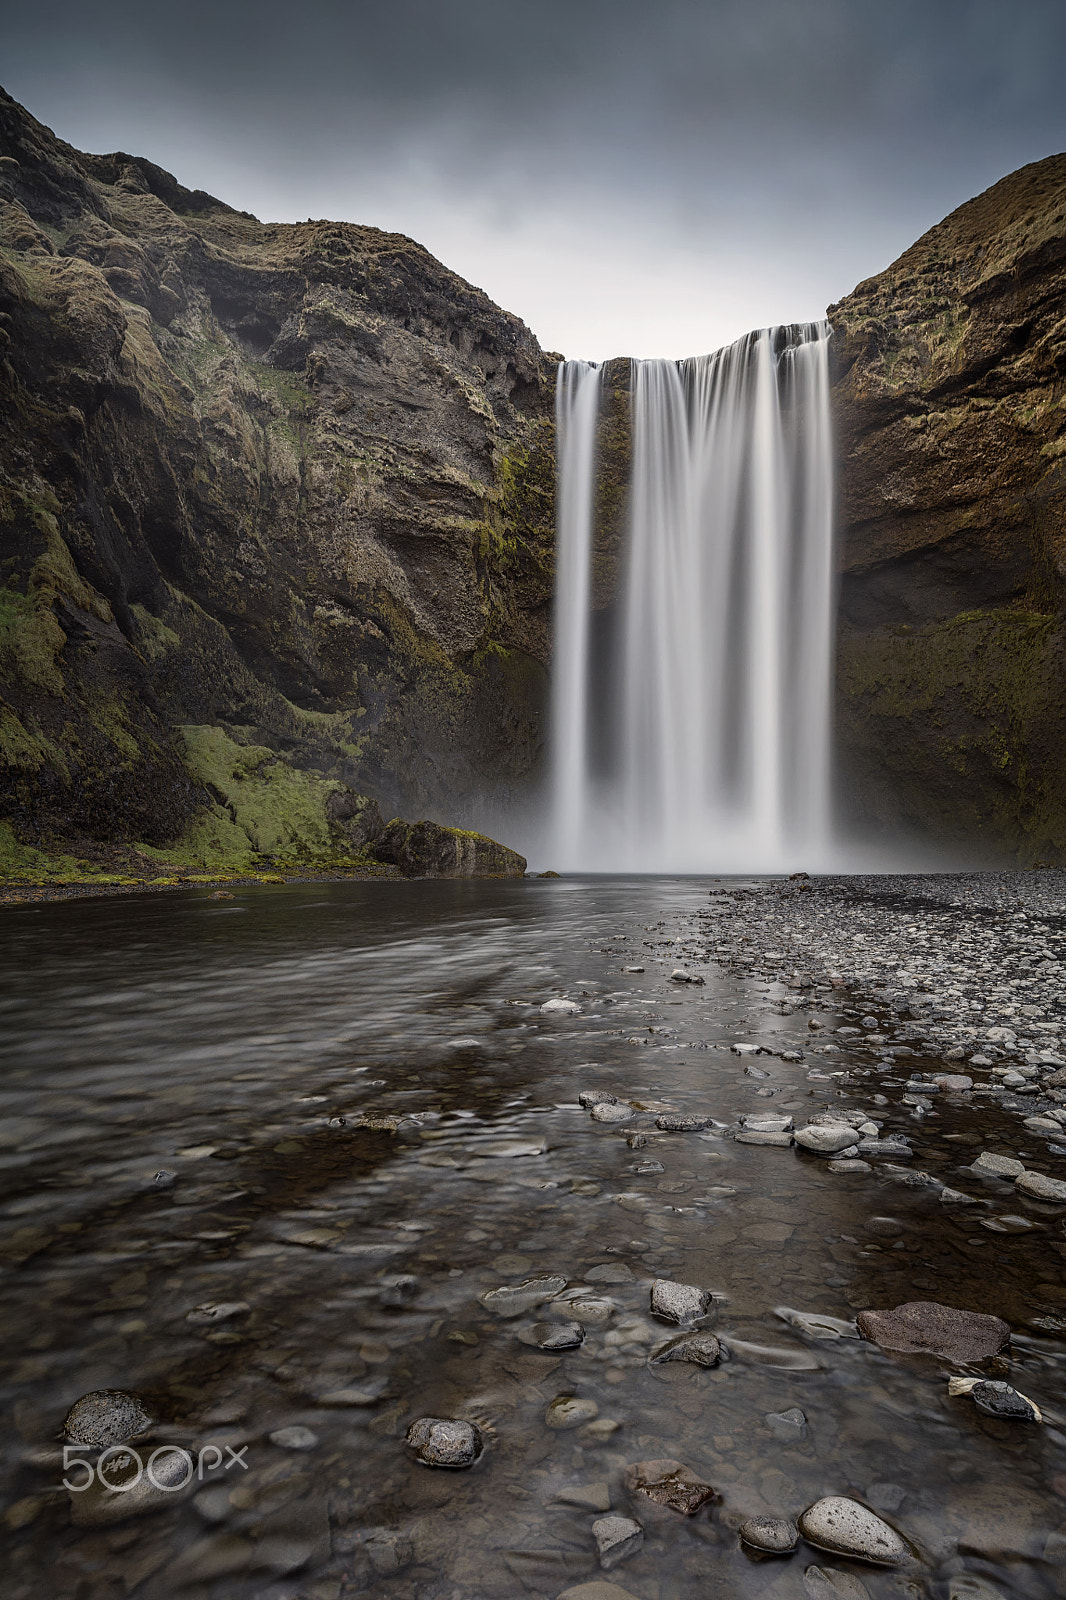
(275,518)
(950,406)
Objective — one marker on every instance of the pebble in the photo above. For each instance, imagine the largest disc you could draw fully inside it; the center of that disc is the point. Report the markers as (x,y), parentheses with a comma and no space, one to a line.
(925,1325)
(445,1442)
(568,1411)
(611,1111)
(789,1426)
(766,1122)
(668,1483)
(679,975)
(1040,1188)
(775,1536)
(702,1349)
(953,1082)
(994,1166)
(851,1164)
(957,1197)
(825,1139)
(616,1271)
(560,1008)
(678,1302)
(514,1300)
(217,1311)
(1001,1400)
(779,1141)
(826,1583)
(1041,1125)
(847,1528)
(616,1539)
(553,1335)
(106,1416)
(595,1097)
(669,1123)
(885,1147)
(295,1438)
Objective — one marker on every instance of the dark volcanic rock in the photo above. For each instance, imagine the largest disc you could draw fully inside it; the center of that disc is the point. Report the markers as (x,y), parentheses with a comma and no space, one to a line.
(275,520)
(1001,1400)
(923,1325)
(946,397)
(105,1417)
(427,850)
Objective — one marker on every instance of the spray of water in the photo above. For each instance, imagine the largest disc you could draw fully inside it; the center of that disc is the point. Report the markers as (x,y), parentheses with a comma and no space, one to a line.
(693,733)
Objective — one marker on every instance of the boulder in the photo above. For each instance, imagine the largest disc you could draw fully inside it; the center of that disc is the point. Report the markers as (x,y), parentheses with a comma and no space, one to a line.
(428,850)
(925,1326)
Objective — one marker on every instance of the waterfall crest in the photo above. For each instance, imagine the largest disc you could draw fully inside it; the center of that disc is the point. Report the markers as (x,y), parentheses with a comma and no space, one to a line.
(691,720)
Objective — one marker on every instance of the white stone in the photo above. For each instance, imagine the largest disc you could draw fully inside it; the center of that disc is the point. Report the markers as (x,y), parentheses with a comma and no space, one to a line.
(994,1166)
(826,1140)
(849,1529)
(560,1008)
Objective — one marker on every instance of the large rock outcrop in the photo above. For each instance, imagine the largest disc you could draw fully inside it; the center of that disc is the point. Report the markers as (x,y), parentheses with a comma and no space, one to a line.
(950,407)
(276,506)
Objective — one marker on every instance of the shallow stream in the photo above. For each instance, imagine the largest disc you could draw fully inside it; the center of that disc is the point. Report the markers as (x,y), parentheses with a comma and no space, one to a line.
(181,1091)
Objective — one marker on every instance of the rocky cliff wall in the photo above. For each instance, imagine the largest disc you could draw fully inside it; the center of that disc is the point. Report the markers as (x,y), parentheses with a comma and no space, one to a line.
(276,508)
(950,406)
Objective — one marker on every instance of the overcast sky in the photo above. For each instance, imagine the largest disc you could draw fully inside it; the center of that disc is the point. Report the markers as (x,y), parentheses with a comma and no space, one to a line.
(629,177)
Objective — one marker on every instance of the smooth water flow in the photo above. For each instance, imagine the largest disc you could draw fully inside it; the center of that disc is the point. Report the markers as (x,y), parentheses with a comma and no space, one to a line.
(692,720)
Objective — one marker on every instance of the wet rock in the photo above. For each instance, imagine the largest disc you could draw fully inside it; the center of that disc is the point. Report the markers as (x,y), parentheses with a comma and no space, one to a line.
(953,1082)
(445,1442)
(1001,1400)
(679,975)
(514,1300)
(894,1148)
(678,1302)
(586,1496)
(779,1141)
(789,1426)
(993,1166)
(1040,1188)
(774,1536)
(957,1197)
(848,1164)
(595,1097)
(826,1583)
(295,1438)
(611,1111)
(670,1123)
(968,1586)
(616,1271)
(766,1122)
(701,1349)
(106,1416)
(1041,1125)
(568,1411)
(217,1311)
(130,1492)
(560,1008)
(825,1140)
(668,1483)
(554,1335)
(616,1539)
(847,1528)
(886,1497)
(388,1552)
(586,1308)
(924,1325)
(916,1179)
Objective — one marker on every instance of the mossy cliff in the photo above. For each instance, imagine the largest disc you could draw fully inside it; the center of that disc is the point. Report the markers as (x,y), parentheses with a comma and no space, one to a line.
(950,406)
(276,509)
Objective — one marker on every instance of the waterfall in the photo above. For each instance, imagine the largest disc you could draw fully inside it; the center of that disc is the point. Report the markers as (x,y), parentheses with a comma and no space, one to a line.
(691,715)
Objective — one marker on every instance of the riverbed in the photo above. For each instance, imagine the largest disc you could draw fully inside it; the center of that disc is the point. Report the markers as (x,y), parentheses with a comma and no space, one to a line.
(261,1160)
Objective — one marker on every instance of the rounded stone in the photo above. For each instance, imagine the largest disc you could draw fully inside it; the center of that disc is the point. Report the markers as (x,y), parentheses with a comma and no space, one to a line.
(775,1536)
(678,1302)
(668,1123)
(554,1335)
(825,1140)
(1038,1187)
(106,1416)
(295,1438)
(610,1111)
(847,1528)
(560,1008)
(445,1442)
(570,1411)
(925,1326)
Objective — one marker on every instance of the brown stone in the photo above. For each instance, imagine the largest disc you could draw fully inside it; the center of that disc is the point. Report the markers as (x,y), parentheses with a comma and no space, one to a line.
(670,1484)
(923,1325)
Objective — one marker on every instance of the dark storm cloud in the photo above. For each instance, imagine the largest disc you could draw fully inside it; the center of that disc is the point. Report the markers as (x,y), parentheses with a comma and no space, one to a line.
(589,162)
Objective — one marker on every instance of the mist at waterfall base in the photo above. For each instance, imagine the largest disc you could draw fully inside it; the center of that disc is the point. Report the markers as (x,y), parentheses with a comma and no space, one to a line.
(691,721)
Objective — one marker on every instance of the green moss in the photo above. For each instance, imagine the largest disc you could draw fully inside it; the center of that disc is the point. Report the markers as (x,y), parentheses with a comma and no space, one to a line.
(956,728)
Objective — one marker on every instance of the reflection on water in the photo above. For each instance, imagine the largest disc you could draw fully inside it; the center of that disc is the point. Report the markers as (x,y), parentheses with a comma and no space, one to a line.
(334,1117)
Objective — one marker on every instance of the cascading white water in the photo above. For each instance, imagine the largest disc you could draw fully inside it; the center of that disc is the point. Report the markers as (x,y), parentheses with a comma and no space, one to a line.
(691,727)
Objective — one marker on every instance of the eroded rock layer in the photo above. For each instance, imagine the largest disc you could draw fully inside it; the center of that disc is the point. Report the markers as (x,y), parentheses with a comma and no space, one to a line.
(275,519)
(950,406)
